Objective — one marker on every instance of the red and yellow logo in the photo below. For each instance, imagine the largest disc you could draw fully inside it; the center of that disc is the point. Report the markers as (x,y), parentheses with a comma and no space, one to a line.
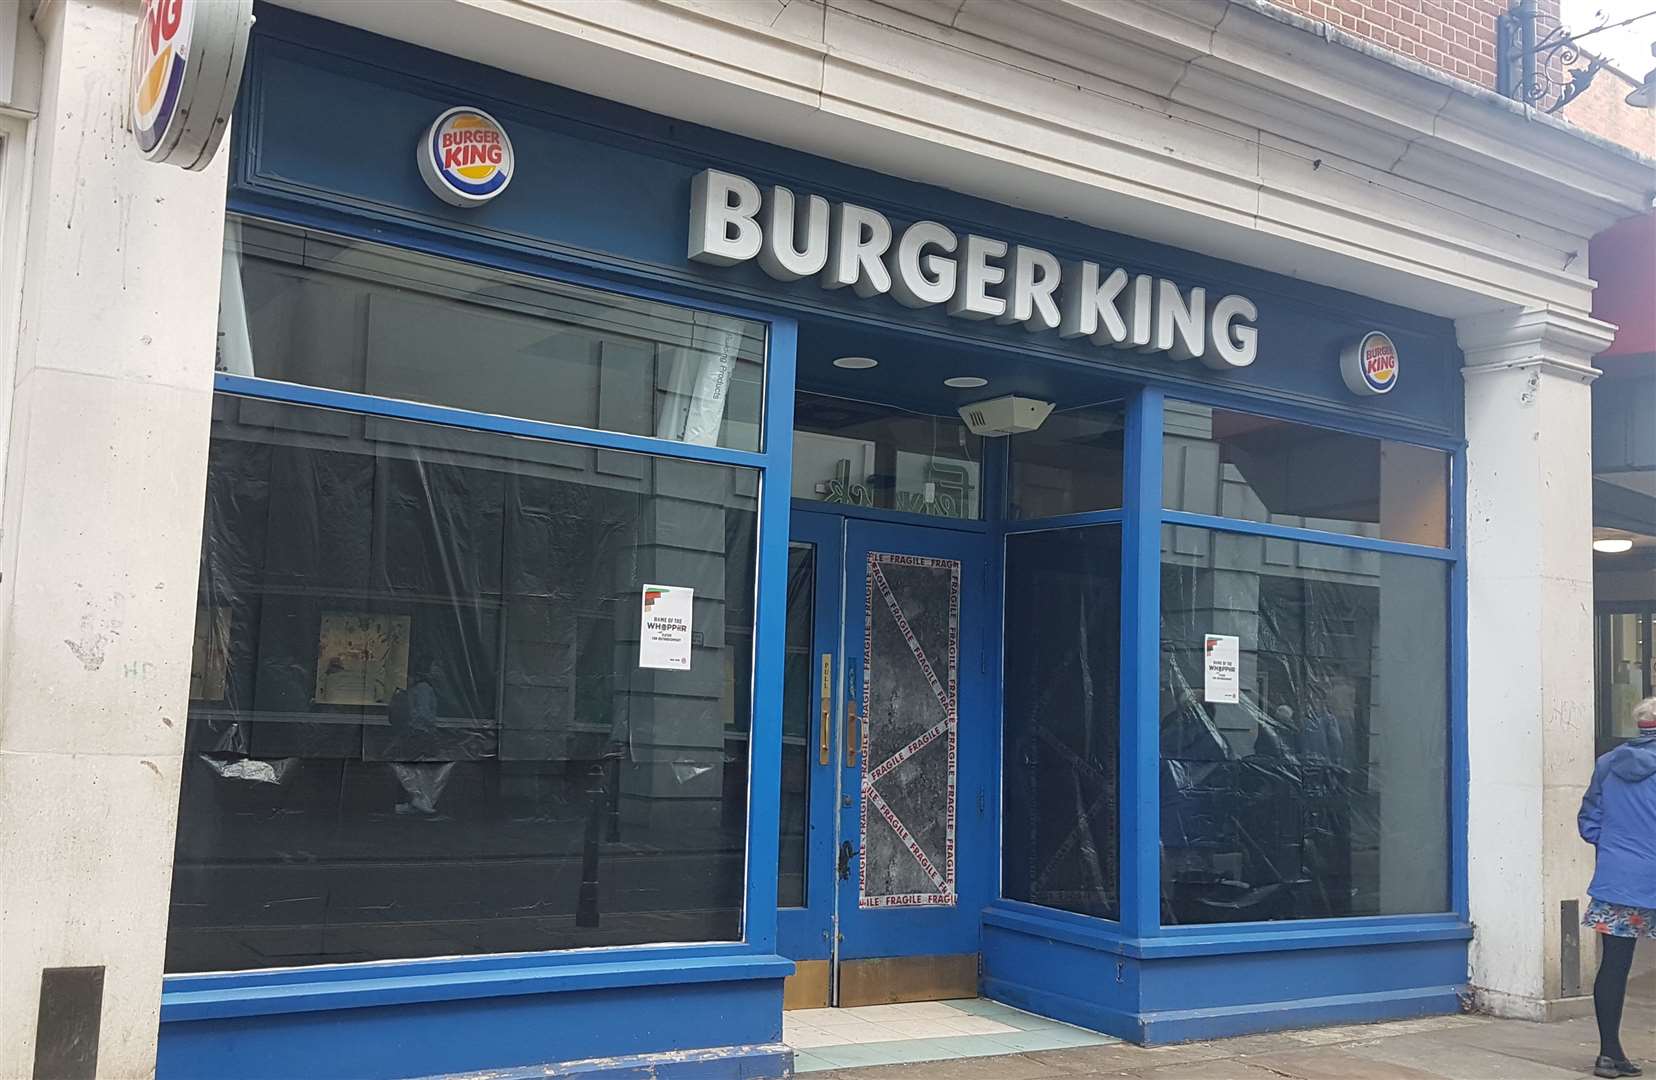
(466,157)
(1379,362)
(160,58)
(1370,365)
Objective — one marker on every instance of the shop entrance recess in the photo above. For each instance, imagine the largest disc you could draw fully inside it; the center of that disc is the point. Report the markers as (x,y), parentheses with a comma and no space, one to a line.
(888,853)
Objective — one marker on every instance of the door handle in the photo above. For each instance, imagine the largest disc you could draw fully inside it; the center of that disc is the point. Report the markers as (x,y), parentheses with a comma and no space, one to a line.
(827,698)
(846,854)
(851,743)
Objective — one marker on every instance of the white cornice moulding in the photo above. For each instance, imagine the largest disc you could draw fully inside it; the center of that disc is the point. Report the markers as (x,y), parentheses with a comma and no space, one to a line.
(1555,342)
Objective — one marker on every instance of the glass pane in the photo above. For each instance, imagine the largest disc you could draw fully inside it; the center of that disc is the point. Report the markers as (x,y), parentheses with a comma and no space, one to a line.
(1237,465)
(910,731)
(800,679)
(1314,781)
(1071,465)
(312,308)
(1062,728)
(871,455)
(1624,667)
(419,722)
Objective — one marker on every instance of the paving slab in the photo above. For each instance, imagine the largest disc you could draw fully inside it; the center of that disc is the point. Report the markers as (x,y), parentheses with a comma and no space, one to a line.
(1462,1061)
(1322,1062)
(1432,1048)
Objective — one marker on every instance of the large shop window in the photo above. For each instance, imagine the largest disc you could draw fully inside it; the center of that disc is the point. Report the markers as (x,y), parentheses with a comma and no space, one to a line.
(422,720)
(858,454)
(1323,789)
(1062,719)
(418,721)
(311,308)
(1072,464)
(1625,649)
(1237,465)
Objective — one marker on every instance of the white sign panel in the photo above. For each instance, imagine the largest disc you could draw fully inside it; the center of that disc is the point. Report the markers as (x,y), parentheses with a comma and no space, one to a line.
(664,633)
(844,245)
(186,68)
(1221,669)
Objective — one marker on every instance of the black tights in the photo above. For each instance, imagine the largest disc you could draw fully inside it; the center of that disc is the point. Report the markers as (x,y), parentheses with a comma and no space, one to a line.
(1610,992)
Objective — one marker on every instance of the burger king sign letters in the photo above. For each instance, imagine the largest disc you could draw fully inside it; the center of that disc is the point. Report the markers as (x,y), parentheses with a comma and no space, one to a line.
(465,157)
(186,67)
(1369,366)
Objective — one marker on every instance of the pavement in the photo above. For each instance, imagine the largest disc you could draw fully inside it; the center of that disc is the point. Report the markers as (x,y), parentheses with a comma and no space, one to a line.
(1467,1047)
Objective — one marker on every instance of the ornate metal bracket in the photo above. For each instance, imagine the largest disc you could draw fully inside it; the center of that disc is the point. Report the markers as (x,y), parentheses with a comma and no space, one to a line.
(1546,68)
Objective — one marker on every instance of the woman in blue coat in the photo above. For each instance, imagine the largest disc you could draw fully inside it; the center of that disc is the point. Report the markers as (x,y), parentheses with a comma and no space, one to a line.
(1618,817)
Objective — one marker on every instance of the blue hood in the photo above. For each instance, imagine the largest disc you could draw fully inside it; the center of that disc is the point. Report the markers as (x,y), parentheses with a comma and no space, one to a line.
(1634,761)
(1618,817)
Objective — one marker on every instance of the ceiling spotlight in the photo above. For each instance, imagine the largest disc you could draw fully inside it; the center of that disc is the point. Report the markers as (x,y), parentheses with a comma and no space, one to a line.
(1613,546)
(856,363)
(965,382)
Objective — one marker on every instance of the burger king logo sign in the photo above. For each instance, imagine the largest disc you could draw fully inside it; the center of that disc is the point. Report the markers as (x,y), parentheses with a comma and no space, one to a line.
(186,66)
(465,157)
(1369,366)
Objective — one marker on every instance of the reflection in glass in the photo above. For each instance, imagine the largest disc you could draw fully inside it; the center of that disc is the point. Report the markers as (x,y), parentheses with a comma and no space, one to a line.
(1062,728)
(800,691)
(1237,465)
(311,308)
(1626,672)
(418,723)
(1324,790)
(1070,465)
(870,455)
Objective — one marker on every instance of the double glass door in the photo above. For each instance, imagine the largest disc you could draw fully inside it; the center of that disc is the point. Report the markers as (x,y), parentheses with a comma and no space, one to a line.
(887,852)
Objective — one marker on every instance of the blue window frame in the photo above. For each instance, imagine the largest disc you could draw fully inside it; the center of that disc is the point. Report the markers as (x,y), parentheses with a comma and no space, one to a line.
(1140,931)
(282,990)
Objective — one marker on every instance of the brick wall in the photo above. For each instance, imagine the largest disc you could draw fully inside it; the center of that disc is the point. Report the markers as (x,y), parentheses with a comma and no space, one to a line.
(1604,111)
(1454,36)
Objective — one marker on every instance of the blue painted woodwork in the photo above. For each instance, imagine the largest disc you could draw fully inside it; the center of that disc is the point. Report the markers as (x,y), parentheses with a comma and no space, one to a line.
(841,607)
(922,931)
(602,200)
(805,933)
(605,186)
(1216,984)
(436,1037)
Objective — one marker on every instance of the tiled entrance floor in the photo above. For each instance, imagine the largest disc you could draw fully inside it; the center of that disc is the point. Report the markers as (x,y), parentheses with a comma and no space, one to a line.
(923,1031)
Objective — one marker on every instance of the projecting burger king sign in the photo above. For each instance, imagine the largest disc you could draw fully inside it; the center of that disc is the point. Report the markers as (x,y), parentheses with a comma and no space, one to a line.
(465,157)
(186,66)
(1370,365)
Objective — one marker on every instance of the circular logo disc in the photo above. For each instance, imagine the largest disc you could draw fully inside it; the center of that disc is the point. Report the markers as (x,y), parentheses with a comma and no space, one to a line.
(160,60)
(466,157)
(1369,366)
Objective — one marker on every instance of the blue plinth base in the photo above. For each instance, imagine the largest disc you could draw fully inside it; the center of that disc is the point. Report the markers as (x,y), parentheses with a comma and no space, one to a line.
(771,1062)
(1217,982)
(723,1019)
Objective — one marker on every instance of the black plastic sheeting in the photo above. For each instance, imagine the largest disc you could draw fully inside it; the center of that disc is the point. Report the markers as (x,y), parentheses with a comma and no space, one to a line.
(418,725)
(1270,808)
(800,696)
(1062,727)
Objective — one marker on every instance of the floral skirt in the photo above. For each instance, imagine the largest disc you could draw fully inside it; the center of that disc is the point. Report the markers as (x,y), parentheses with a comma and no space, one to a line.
(1620,920)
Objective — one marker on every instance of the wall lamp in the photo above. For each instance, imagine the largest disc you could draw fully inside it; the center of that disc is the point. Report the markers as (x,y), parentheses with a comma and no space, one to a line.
(1549,70)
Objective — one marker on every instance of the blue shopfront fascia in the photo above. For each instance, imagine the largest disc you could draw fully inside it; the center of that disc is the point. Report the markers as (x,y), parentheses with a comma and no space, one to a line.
(1135,977)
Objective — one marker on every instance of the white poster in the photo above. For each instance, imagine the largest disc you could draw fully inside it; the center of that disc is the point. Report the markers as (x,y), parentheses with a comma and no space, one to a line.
(664,633)
(1221,675)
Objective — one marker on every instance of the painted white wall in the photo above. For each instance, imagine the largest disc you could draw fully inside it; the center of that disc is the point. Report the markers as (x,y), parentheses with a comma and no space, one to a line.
(99,540)
(1530,675)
